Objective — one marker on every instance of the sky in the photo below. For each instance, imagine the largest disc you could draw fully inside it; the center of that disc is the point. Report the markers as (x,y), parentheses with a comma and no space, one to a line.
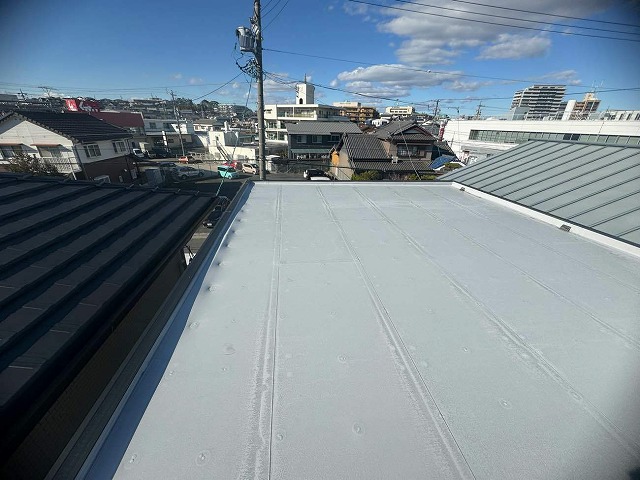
(458,54)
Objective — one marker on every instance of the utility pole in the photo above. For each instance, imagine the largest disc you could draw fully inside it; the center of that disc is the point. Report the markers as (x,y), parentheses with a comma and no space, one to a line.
(257,30)
(175,112)
(435,111)
(479,111)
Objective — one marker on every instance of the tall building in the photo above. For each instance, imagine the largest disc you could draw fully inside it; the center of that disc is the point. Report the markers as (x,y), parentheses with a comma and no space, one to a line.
(541,100)
(581,110)
(356,111)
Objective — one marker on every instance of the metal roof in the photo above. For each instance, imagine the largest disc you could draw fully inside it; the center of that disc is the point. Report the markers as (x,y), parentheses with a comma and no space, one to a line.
(71,255)
(389,330)
(312,127)
(592,185)
(80,127)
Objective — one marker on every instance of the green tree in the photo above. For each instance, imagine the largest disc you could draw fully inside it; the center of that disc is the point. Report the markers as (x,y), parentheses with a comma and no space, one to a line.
(23,163)
(369,175)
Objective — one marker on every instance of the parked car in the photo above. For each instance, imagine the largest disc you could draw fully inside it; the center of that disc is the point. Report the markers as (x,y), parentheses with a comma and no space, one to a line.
(310,173)
(227,172)
(185,172)
(159,152)
(166,164)
(251,168)
(138,153)
(220,205)
(189,159)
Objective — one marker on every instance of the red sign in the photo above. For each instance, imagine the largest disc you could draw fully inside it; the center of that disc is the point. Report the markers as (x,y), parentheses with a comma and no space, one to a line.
(81,105)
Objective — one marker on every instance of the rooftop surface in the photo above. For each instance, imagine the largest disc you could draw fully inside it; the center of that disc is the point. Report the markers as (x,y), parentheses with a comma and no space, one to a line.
(354,330)
(71,255)
(593,185)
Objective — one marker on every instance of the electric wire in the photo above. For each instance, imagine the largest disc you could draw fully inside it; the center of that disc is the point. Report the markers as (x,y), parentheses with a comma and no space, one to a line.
(441,15)
(547,14)
(514,18)
(276,16)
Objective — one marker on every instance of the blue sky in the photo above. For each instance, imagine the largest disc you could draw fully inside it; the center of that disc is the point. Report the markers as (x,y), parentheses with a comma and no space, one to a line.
(409,54)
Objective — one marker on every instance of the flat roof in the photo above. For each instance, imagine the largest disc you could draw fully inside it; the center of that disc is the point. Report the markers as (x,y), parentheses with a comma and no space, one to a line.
(389,330)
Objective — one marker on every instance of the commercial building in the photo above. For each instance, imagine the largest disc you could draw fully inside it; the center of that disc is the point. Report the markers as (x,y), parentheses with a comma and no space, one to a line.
(400,112)
(276,116)
(356,112)
(473,140)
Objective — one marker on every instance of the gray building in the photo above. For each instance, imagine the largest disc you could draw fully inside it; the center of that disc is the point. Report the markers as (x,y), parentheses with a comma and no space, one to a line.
(541,100)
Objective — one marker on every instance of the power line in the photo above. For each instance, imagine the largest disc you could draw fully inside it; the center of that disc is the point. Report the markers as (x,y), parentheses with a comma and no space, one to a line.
(493,23)
(398,67)
(282,80)
(514,18)
(277,14)
(219,88)
(271,9)
(547,14)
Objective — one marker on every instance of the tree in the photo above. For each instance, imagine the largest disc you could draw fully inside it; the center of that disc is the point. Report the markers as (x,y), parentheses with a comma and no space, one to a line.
(23,163)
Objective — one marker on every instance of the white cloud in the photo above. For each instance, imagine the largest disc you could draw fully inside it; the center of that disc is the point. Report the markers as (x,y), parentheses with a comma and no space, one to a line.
(515,47)
(176,76)
(195,81)
(568,77)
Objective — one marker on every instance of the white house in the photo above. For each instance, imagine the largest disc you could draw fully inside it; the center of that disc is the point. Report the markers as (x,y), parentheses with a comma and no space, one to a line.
(76,143)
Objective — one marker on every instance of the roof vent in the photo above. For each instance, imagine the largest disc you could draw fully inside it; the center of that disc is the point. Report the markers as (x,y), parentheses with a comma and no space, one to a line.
(565,228)
(462,189)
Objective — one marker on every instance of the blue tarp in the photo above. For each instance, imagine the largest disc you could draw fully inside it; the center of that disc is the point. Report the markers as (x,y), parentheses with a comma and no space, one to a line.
(441,160)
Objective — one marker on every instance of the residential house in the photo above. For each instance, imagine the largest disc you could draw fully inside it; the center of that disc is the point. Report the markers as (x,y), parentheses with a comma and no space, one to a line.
(168,133)
(131,121)
(315,139)
(78,144)
(406,140)
(365,152)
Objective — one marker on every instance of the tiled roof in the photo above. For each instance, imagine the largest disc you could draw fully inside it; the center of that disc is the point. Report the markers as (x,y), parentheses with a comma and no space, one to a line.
(393,128)
(591,185)
(120,119)
(72,254)
(80,127)
(364,147)
(408,167)
(443,148)
(313,127)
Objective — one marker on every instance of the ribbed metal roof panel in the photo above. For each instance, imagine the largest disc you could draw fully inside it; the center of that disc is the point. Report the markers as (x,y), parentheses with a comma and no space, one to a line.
(592,185)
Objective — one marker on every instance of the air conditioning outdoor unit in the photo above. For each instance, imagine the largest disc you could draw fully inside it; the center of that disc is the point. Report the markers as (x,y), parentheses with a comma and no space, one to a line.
(394,159)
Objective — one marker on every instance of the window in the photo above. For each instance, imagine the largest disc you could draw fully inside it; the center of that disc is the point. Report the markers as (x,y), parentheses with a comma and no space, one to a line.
(153,125)
(9,151)
(335,138)
(317,139)
(119,146)
(302,139)
(49,152)
(167,126)
(407,150)
(92,150)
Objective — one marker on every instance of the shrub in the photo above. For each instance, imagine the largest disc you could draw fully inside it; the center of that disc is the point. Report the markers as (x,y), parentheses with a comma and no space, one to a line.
(367,176)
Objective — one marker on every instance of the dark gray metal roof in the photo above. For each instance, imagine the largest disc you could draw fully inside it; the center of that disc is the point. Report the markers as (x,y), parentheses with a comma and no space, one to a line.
(72,254)
(591,185)
(364,147)
(313,127)
(80,127)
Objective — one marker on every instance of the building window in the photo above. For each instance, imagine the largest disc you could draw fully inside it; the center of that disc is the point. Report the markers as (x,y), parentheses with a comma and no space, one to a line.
(92,150)
(49,152)
(302,139)
(10,151)
(407,150)
(335,138)
(153,125)
(317,139)
(119,146)
(167,126)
